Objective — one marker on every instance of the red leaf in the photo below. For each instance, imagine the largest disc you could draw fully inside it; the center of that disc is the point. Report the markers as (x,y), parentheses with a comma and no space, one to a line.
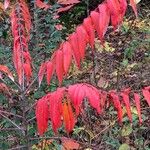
(93,96)
(115,10)
(63,9)
(133,5)
(42,115)
(74,44)
(7,71)
(6,4)
(67,56)
(41,4)
(117,104)
(95,19)
(41,72)
(82,38)
(69,144)
(137,102)
(49,71)
(59,66)
(87,23)
(146,94)
(125,97)
(76,94)
(104,18)
(123,7)
(28,71)
(68,2)
(68,117)
(55,108)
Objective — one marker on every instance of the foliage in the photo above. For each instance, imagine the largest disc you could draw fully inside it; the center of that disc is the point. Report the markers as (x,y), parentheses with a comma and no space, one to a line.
(64,104)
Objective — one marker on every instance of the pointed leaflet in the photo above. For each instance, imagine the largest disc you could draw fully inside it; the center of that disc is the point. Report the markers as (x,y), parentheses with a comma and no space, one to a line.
(68,2)
(133,5)
(76,94)
(115,99)
(63,9)
(115,11)
(146,94)
(74,44)
(41,4)
(42,115)
(68,117)
(59,66)
(104,18)
(82,38)
(41,72)
(125,97)
(6,4)
(123,7)
(55,108)
(93,96)
(7,71)
(49,71)
(138,107)
(28,71)
(95,19)
(87,23)
(67,56)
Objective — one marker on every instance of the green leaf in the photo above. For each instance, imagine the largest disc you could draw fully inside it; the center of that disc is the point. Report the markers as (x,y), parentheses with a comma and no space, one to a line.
(124,147)
(126,130)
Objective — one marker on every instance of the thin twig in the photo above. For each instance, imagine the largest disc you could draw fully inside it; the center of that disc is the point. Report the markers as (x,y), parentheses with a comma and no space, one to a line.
(9,129)
(31,107)
(30,84)
(31,119)
(9,113)
(18,147)
(13,123)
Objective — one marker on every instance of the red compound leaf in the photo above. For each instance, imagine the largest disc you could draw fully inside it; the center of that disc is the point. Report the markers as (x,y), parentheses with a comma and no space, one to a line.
(21,25)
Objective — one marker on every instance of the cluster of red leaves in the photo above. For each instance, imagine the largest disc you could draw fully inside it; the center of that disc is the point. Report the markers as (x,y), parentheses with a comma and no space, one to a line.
(65,104)
(65,5)
(21,25)
(99,19)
